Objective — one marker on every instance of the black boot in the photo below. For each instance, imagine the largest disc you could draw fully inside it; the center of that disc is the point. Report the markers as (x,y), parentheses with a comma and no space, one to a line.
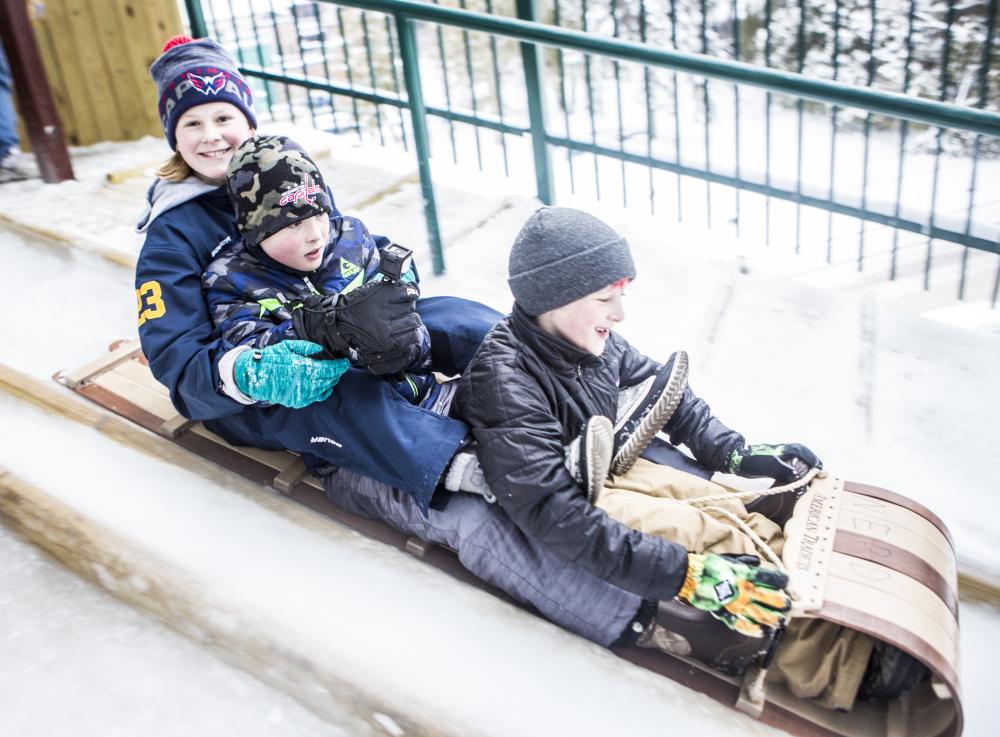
(890,673)
(777,507)
(645,408)
(680,629)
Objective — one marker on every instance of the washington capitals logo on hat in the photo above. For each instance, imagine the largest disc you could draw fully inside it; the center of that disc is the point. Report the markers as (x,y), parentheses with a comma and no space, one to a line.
(209,85)
(302,192)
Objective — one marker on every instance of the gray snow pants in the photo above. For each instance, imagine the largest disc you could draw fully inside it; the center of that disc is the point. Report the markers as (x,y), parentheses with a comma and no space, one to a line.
(495,550)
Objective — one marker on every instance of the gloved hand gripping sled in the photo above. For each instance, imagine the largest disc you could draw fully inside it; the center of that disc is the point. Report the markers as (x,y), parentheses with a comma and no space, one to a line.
(745,598)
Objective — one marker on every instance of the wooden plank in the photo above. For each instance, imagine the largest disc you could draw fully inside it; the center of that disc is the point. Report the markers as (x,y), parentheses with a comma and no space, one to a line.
(137,47)
(114,71)
(161,19)
(887,595)
(139,372)
(97,74)
(895,525)
(279,460)
(140,394)
(73,71)
(125,352)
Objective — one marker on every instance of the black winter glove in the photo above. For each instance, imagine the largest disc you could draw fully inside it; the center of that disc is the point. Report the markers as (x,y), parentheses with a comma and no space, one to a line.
(379,320)
(316,320)
(783,463)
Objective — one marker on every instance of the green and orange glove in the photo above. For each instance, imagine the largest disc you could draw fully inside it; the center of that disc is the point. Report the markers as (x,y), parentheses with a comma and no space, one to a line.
(745,598)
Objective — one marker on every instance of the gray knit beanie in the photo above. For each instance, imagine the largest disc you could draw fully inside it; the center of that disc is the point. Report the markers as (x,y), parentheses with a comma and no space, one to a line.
(562,254)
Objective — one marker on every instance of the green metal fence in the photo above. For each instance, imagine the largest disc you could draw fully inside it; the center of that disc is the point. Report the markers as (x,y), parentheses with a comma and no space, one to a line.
(641,105)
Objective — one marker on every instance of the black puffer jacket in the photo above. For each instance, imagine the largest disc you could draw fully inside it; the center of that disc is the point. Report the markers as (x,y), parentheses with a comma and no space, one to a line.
(526,395)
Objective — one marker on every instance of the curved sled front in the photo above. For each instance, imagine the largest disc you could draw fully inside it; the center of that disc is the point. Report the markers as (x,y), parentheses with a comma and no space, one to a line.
(875,561)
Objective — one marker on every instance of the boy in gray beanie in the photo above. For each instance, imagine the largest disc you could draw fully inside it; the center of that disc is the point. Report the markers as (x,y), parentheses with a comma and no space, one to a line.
(553,379)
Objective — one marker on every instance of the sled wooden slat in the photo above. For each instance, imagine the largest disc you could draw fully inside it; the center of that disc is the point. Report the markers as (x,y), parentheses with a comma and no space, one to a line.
(174,426)
(869,549)
(277,460)
(124,352)
(140,373)
(887,594)
(890,523)
(119,405)
(285,481)
(898,499)
(938,717)
(139,393)
(890,574)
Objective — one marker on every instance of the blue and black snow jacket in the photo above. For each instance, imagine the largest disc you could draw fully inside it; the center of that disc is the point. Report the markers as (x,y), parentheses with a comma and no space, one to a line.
(251,296)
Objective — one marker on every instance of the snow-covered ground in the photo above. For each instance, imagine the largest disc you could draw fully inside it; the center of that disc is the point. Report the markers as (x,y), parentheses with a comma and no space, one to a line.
(883,397)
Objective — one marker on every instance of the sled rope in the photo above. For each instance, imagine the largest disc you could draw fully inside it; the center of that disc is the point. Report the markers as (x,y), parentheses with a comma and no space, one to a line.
(784,489)
(743,527)
(764,549)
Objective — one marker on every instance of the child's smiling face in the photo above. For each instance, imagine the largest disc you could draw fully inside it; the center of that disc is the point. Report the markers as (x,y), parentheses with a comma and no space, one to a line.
(208,136)
(300,245)
(587,322)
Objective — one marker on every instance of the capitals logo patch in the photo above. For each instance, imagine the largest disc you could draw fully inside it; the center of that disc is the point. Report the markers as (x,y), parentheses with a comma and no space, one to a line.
(208,85)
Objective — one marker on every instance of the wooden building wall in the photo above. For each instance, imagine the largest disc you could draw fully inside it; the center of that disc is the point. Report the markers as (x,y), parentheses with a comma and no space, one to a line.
(97,55)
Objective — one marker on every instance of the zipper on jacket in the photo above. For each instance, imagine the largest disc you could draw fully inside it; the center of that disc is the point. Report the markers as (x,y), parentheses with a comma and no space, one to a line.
(309,285)
(585,387)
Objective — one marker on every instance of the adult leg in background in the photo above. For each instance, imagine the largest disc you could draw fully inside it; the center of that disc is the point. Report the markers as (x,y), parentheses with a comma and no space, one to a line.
(8,118)
(495,550)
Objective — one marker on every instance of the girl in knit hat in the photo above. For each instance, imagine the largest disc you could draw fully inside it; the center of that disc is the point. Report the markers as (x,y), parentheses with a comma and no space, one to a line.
(390,453)
(554,375)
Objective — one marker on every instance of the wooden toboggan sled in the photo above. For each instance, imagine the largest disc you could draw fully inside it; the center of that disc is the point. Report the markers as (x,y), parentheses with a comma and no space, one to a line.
(858,555)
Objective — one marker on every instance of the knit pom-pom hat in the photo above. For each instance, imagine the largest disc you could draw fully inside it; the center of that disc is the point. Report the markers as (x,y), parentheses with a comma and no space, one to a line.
(192,72)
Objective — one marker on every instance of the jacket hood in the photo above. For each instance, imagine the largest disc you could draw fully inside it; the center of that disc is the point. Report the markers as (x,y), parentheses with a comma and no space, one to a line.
(163,195)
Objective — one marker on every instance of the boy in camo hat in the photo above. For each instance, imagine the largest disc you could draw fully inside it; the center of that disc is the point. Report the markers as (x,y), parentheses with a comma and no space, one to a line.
(302,273)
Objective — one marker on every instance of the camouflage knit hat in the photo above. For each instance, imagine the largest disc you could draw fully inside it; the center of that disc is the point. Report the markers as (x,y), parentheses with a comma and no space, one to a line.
(273,183)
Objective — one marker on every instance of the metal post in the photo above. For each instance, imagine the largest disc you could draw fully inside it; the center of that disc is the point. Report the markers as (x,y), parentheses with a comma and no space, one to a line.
(196,19)
(418,116)
(532,62)
(38,110)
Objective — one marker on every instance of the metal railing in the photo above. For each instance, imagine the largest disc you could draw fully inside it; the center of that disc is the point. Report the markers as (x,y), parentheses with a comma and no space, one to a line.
(519,71)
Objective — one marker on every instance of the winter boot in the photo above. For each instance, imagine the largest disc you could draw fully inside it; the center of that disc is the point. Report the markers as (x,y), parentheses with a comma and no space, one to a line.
(588,457)
(890,673)
(465,474)
(777,507)
(681,629)
(644,409)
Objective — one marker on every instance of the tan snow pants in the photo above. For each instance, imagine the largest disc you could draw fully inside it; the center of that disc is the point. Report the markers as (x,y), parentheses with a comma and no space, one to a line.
(816,659)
